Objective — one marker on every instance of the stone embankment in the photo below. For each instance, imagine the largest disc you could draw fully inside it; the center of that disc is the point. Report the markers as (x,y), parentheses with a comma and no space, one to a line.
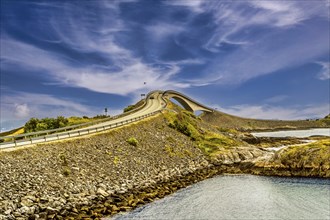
(70,179)
(103,174)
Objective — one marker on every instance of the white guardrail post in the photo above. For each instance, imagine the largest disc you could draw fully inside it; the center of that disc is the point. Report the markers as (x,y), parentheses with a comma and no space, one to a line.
(48,137)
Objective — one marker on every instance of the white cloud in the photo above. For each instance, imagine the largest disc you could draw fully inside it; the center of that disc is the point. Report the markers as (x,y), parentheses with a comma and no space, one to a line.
(22,110)
(125,72)
(26,105)
(280,13)
(128,78)
(277,112)
(324,74)
(194,5)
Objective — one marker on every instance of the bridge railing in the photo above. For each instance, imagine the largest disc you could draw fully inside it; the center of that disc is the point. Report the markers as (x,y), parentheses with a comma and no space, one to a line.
(73,133)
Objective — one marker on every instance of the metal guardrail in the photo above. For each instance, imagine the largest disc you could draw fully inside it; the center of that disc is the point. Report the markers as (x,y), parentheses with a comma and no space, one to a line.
(68,128)
(69,134)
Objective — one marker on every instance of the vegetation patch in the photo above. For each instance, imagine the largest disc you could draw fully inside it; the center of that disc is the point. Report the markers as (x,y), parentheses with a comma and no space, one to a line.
(313,155)
(116,160)
(66,171)
(245,124)
(184,124)
(132,107)
(129,108)
(15,131)
(132,141)
(210,143)
(35,124)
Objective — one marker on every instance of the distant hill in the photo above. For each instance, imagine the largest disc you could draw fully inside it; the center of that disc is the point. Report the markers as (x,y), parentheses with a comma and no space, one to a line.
(230,121)
(15,131)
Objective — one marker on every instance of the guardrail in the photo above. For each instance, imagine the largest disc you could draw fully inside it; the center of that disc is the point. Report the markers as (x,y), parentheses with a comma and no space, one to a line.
(69,134)
(68,128)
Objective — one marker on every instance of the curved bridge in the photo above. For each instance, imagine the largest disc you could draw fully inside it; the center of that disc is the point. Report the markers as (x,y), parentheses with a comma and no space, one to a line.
(188,103)
(155,102)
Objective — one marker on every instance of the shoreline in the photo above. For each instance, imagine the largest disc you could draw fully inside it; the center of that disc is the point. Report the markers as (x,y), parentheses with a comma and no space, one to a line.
(117,203)
(112,204)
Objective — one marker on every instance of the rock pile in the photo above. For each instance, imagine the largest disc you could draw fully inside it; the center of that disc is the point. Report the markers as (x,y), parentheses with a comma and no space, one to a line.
(96,175)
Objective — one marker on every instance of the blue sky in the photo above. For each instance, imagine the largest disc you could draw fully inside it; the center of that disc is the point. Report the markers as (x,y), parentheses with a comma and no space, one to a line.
(259,59)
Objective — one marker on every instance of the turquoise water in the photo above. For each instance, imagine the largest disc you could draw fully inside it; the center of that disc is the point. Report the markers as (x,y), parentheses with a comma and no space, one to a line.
(243,197)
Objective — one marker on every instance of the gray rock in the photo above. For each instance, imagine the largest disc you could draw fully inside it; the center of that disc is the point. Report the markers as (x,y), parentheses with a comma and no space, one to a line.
(26,202)
(24,210)
(44,200)
(30,197)
(50,210)
(7,212)
(102,192)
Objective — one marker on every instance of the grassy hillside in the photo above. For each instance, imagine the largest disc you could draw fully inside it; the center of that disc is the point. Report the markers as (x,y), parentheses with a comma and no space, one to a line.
(314,155)
(229,121)
(15,131)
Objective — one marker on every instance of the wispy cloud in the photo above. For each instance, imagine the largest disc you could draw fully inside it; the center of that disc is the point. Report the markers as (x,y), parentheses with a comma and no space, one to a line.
(324,74)
(22,110)
(162,30)
(121,72)
(194,5)
(236,17)
(272,52)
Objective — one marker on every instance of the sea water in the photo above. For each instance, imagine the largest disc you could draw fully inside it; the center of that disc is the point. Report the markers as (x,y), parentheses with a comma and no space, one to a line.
(243,197)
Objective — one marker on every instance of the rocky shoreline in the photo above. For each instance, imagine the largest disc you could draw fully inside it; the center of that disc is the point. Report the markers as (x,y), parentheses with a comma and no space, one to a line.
(104,174)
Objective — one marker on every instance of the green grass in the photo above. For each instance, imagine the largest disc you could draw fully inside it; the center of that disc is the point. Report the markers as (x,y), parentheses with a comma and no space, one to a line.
(132,141)
(211,143)
(226,121)
(79,120)
(132,107)
(15,131)
(316,154)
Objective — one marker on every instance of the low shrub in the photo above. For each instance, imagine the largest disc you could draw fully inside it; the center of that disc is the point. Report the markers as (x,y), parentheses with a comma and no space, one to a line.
(132,141)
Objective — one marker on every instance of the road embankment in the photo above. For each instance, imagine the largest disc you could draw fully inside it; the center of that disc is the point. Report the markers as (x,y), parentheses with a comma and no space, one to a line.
(119,170)
(62,179)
